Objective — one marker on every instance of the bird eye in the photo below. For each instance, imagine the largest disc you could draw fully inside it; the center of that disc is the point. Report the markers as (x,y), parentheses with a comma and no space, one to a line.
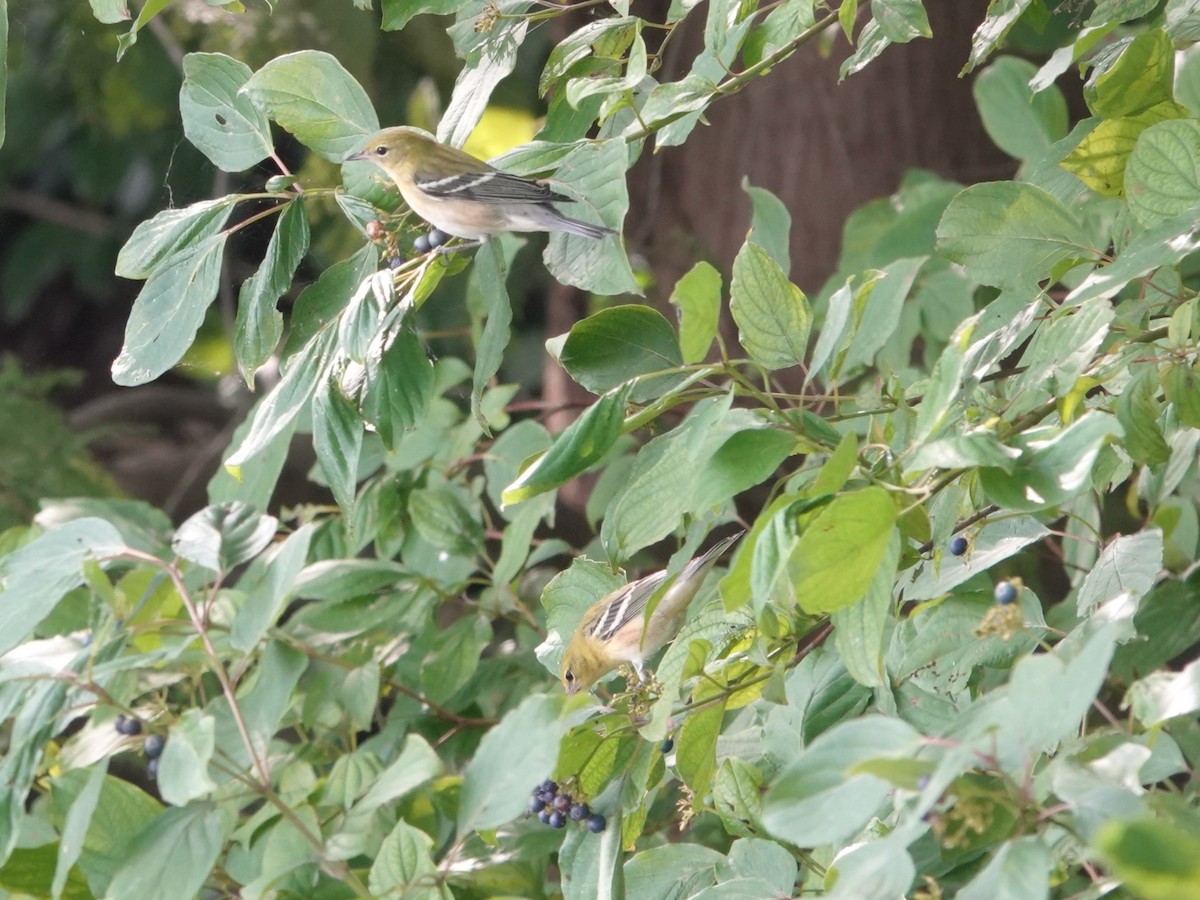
(382,151)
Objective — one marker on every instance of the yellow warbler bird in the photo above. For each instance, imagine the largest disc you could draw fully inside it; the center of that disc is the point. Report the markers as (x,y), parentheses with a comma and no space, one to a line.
(615,629)
(462,195)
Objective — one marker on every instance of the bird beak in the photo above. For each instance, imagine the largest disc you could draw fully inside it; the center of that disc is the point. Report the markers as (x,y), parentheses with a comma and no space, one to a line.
(361,154)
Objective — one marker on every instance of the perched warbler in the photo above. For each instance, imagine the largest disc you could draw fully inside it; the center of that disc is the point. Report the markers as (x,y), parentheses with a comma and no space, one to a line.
(462,195)
(615,629)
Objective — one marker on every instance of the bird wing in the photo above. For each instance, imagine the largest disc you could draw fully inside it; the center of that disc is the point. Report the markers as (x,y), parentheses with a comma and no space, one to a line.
(625,605)
(488,187)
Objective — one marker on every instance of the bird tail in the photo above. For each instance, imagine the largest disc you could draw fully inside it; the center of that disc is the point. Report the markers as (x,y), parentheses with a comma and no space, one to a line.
(709,557)
(576,226)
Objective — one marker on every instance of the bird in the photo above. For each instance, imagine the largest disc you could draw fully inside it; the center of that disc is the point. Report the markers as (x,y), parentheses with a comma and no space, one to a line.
(464,196)
(615,630)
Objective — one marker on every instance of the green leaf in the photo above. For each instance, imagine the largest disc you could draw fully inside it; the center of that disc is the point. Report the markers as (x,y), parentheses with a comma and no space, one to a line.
(1002,15)
(1156,859)
(75,826)
(441,517)
(1064,346)
(860,629)
(220,121)
(259,324)
(671,870)
(1021,123)
(901,20)
(454,657)
(110,12)
(1009,234)
(225,535)
(312,96)
(818,799)
(1054,465)
(1162,178)
(1165,695)
(173,233)
(265,596)
(1132,75)
(490,295)
(168,311)
(1138,412)
(255,479)
(1181,383)
(490,54)
(173,855)
(772,314)
(697,295)
(994,542)
(4,70)
(1101,158)
(770,224)
(401,387)
(618,344)
(36,576)
(404,866)
(398,13)
(278,410)
(1163,245)
(696,754)
(183,767)
(337,440)
(151,9)
(576,449)
(512,757)
(841,549)
(320,303)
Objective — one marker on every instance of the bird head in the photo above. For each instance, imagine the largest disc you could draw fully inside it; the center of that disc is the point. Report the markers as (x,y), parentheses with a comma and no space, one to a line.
(392,145)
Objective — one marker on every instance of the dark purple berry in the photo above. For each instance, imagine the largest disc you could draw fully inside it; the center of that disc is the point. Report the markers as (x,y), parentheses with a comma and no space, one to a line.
(579,812)
(958,545)
(153,745)
(152,767)
(395,262)
(536,804)
(667,746)
(1005,592)
(544,816)
(596,823)
(547,786)
(128,725)
(557,819)
(562,802)
(421,245)
(119,723)
(437,237)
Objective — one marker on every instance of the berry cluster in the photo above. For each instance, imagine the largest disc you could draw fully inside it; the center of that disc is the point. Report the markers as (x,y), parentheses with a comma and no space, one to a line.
(426,242)
(152,746)
(554,807)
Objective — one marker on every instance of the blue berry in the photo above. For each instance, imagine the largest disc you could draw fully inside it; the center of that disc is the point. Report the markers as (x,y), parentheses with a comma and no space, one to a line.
(562,803)
(437,237)
(544,817)
(421,245)
(667,746)
(153,745)
(395,262)
(958,545)
(536,804)
(579,812)
(152,767)
(547,787)
(128,725)
(1005,592)
(557,819)
(596,823)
